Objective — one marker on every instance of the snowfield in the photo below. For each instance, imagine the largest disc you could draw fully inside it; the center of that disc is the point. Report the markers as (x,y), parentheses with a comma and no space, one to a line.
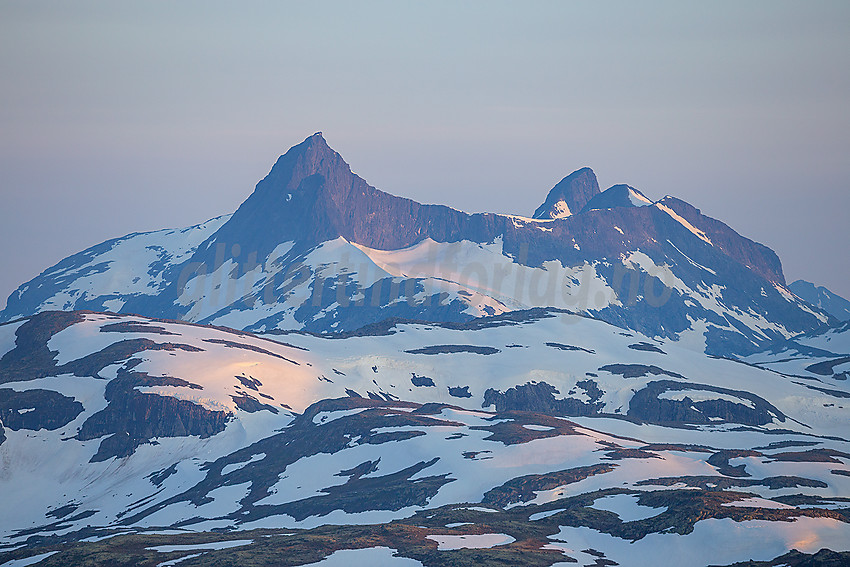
(600,422)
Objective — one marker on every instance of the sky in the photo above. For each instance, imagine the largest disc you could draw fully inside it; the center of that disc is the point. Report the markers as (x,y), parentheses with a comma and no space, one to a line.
(119,117)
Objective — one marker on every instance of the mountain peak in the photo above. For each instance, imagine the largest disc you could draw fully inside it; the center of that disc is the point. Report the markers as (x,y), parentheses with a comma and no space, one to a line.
(617,196)
(569,196)
(822,298)
(302,161)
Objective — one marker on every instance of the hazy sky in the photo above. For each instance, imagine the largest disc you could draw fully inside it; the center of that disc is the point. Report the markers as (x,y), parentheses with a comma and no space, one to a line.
(118,117)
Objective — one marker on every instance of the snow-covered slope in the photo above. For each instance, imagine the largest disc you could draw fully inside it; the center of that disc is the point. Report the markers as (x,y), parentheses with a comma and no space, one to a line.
(822,356)
(532,435)
(125,273)
(316,248)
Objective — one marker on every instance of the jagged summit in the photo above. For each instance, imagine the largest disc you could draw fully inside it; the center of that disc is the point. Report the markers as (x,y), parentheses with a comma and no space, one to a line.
(617,196)
(311,157)
(569,196)
(307,193)
(315,247)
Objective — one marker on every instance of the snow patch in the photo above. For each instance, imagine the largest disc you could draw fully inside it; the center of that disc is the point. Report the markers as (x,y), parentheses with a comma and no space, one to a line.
(626,507)
(213,545)
(473,541)
(541,515)
(758,540)
(638,199)
(703,396)
(327,416)
(535,427)
(560,210)
(755,502)
(236,466)
(28,560)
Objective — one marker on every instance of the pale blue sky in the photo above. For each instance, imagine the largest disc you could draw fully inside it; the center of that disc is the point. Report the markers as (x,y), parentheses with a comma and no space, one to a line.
(118,116)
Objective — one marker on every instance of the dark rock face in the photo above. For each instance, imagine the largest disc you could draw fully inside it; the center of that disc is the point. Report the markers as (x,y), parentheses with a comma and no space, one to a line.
(524,488)
(825,368)
(561,346)
(134,327)
(637,370)
(616,196)
(37,409)
(454,349)
(540,397)
(311,195)
(132,417)
(721,461)
(422,381)
(31,359)
(459,392)
(158,477)
(758,257)
(574,190)
(648,405)
(646,347)
(250,404)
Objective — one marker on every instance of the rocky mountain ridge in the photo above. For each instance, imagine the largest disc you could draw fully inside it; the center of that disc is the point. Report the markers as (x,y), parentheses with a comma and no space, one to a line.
(315,247)
(823,298)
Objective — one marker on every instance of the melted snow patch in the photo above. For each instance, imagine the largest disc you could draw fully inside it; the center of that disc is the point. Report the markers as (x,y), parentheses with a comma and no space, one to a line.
(474,541)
